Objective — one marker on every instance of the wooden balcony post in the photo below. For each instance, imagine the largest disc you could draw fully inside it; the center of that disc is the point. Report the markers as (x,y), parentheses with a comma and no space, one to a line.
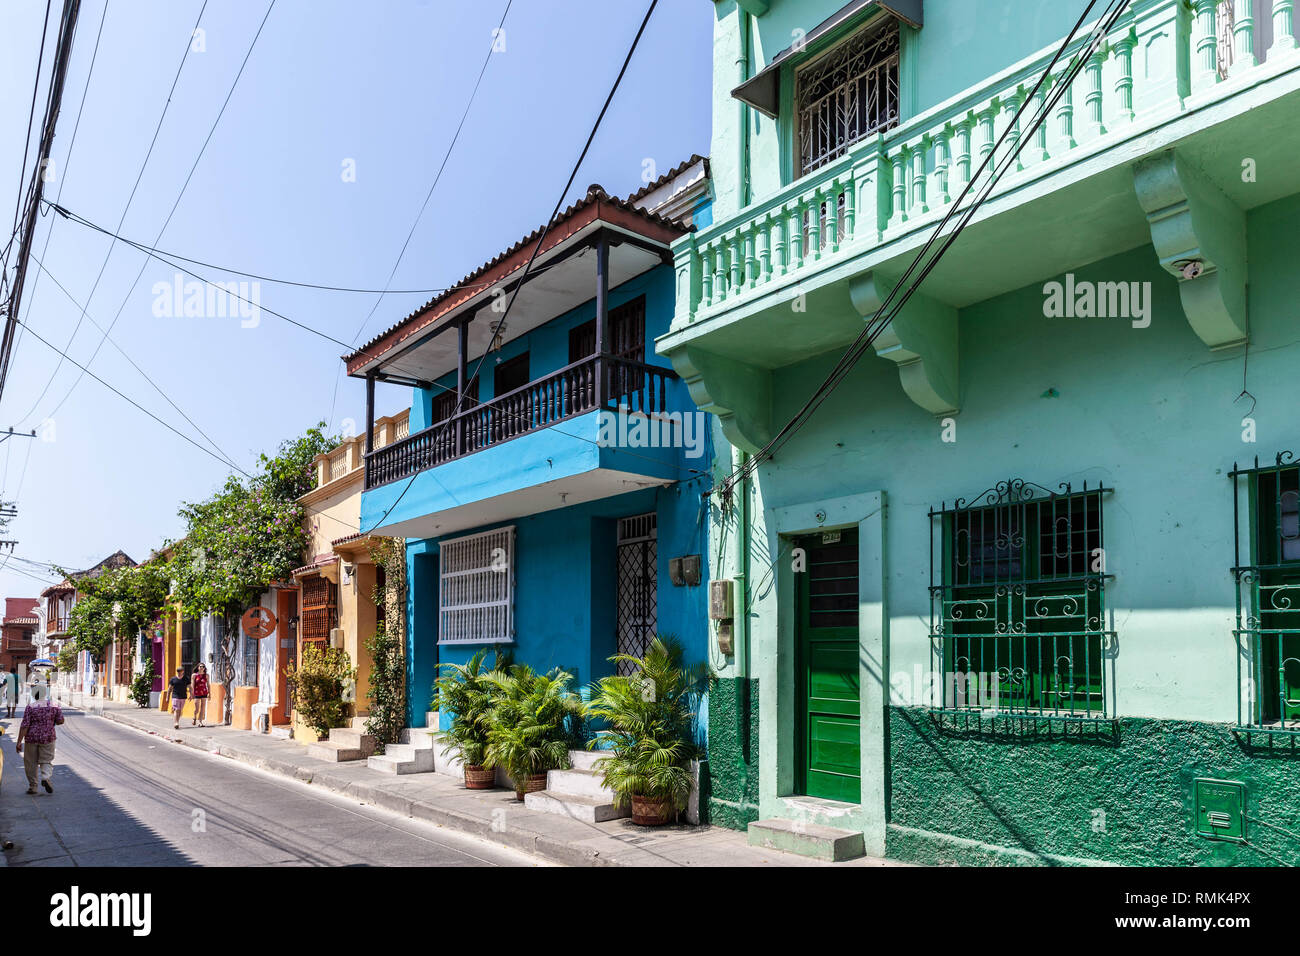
(370,413)
(462,373)
(602,316)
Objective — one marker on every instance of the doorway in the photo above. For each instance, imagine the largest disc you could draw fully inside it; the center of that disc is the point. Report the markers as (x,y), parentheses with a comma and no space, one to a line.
(828,759)
(637,586)
(286,632)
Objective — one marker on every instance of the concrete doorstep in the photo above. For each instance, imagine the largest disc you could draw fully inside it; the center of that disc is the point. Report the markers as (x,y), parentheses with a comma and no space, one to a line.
(492,815)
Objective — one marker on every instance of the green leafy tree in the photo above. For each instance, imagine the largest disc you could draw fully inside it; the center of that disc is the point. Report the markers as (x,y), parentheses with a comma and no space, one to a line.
(118,601)
(246,535)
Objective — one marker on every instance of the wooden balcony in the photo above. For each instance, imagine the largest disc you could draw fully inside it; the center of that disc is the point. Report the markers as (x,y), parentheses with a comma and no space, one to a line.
(600,381)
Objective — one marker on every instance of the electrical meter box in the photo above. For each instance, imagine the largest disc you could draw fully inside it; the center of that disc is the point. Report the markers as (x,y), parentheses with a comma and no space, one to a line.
(1220,809)
(720,602)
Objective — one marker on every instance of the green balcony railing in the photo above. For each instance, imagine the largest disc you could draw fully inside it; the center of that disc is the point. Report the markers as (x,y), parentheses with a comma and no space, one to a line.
(1161,56)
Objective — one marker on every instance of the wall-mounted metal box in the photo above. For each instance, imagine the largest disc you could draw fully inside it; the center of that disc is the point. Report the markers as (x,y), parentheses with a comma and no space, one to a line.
(720,600)
(1220,807)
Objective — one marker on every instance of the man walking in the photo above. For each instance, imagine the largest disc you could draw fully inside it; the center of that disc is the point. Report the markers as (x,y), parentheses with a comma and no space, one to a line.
(179,686)
(37,732)
(10,687)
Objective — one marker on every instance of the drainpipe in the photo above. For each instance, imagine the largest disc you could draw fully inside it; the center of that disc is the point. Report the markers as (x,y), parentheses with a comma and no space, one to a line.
(742,73)
(740,626)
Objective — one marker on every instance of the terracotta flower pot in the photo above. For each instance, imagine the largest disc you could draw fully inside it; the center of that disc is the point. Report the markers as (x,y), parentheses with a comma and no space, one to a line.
(531,784)
(480,778)
(652,811)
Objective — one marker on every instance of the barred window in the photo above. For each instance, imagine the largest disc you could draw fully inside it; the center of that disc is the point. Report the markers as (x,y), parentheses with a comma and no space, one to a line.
(1017,601)
(1268,594)
(477,588)
(847,95)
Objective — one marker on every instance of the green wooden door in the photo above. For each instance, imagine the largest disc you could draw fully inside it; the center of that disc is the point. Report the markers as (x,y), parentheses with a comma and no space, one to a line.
(828,758)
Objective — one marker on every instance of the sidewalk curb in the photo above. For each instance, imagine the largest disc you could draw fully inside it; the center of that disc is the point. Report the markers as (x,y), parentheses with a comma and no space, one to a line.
(517,837)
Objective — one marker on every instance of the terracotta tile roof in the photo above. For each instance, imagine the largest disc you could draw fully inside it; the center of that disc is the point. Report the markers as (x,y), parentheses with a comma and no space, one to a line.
(348,538)
(317,562)
(500,266)
(21,620)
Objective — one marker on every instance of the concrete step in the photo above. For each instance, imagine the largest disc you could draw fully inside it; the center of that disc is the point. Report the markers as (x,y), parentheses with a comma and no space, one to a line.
(807,839)
(281,731)
(584,759)
(353,740)
(401,762)
(578,783)
(418,737)
(336,752)
(586,809)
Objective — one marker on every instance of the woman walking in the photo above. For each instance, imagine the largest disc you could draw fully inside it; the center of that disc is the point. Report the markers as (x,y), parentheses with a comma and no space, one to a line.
(199,691)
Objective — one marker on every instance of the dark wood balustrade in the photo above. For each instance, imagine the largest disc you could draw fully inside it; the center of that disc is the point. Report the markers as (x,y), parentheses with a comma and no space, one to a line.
(597,381)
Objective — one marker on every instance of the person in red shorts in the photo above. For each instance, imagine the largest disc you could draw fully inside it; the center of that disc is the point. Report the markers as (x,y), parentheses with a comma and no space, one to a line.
(199,691)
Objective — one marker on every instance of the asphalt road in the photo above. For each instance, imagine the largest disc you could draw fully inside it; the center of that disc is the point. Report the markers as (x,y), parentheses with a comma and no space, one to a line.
(123,798)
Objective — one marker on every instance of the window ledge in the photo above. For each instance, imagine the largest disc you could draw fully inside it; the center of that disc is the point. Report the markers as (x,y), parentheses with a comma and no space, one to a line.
(1025,725)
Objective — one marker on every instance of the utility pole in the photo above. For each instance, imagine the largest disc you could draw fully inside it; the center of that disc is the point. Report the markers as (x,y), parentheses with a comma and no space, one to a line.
(67,27)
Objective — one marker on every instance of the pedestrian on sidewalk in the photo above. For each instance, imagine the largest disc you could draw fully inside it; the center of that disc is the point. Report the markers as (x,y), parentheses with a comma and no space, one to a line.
(37,732)
(200,694)
(179,687)
(11,690)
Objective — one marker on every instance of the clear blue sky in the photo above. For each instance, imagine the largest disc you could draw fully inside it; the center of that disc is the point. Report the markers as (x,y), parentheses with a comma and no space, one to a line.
(380,83)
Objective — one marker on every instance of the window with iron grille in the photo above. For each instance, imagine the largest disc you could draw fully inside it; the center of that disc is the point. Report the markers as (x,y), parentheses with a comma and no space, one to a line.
(477,588)
(1017,611)
(1266,522)
(846,95)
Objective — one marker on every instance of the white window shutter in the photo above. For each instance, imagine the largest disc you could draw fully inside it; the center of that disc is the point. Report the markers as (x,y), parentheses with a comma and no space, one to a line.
(477,588)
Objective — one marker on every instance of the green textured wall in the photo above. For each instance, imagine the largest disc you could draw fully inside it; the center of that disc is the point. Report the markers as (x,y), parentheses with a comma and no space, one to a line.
(733,770)
(975,799)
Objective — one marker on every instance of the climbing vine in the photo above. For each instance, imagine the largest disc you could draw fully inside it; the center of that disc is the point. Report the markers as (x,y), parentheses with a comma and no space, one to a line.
(387,690)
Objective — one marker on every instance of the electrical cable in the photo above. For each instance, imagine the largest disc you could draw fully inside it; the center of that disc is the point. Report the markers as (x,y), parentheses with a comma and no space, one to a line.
(427,196)
(145,375)
(185,185)
(67,161)
(460,398)
(889,309)
(125,210)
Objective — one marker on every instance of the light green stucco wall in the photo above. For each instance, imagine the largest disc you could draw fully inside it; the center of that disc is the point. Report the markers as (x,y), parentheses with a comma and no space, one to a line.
(962,42)
(1152,413)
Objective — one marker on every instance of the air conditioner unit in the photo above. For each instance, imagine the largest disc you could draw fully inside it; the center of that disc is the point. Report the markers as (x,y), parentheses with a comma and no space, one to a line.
(336,637)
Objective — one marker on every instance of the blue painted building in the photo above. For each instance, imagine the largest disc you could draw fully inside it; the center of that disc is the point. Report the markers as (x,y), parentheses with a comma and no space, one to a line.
(553,488)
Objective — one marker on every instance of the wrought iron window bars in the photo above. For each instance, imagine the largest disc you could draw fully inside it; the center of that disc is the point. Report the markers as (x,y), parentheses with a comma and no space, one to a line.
(1267,586)
(1017,609)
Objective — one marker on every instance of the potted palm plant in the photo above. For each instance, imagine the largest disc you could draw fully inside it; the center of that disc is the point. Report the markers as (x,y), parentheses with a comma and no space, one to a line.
(534,721)
(468,692)
(648,734)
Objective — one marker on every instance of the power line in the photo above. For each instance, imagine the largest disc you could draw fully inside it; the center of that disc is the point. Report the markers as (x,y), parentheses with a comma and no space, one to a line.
(54,101)
(185,185)
(145,375)
(67,161)
(888,309)
(132,401)
(129,199)
(460,398)
(31,118)
(427,196)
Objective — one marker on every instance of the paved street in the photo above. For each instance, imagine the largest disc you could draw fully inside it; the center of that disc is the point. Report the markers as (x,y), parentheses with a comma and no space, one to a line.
(124,798)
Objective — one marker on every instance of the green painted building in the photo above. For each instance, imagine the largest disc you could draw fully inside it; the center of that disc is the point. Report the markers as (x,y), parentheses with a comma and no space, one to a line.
(1023,586)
